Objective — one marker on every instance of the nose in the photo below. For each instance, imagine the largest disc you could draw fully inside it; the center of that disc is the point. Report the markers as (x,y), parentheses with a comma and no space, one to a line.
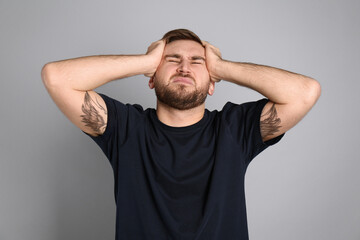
(184,67)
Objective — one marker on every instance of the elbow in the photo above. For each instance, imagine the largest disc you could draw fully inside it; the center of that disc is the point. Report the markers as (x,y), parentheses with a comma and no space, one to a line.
(313,92)
(316,89)
(48,75)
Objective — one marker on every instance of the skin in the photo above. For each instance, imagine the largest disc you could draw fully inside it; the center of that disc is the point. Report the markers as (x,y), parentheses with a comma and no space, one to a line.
(291,95)
(182,58)
(71,85)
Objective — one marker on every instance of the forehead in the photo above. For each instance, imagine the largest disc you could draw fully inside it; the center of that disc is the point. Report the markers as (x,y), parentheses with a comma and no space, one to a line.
(184,48)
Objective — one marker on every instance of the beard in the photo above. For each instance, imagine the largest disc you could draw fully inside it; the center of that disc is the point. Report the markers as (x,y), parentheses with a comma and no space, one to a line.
(179,96)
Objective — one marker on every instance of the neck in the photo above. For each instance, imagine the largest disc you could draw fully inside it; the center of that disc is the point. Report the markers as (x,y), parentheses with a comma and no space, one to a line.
(179,118)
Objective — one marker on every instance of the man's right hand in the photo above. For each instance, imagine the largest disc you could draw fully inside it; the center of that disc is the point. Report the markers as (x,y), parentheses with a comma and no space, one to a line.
(155,52)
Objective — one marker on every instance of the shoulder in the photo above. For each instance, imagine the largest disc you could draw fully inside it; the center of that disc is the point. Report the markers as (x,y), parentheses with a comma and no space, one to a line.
(121,118)
(255,108)
(117,105)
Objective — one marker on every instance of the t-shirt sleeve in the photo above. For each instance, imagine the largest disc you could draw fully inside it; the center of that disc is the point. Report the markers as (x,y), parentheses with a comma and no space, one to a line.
(119,123)
(244,125)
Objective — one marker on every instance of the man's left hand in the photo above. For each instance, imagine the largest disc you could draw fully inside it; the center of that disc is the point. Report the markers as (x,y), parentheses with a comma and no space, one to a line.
(213,59)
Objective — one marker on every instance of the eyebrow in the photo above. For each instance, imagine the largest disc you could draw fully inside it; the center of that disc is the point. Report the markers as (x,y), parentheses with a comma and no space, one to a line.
(172,56)
(198,58)
(178,56)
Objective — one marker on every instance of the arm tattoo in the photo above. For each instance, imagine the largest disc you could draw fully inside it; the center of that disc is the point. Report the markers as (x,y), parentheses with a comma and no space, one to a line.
(271,124)
(91,116)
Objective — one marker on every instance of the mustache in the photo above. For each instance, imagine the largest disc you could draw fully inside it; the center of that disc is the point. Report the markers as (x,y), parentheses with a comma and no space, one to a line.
(182,75)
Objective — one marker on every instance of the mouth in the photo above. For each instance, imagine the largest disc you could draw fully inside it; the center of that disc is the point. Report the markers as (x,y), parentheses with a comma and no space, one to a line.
(183,80)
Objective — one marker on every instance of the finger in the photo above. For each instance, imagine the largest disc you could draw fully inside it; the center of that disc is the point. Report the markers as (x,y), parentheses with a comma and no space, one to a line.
(204,43)
(161,42)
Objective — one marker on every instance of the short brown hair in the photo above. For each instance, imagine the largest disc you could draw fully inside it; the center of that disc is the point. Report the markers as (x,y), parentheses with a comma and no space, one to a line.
(181,34)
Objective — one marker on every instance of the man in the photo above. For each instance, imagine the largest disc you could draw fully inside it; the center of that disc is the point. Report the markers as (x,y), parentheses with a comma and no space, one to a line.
(179,170)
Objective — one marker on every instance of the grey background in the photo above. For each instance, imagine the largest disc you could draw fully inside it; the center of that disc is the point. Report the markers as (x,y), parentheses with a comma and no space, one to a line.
(55,183)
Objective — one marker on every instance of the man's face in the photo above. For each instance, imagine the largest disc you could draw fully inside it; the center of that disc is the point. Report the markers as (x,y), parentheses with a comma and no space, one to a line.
(182,80)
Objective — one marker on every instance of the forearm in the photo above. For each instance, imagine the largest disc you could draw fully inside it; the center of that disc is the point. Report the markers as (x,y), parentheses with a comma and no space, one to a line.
(88,73)
(278,85)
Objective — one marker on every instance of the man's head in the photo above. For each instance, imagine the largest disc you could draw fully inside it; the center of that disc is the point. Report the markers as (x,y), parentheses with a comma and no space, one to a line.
(181,34)
(182,80)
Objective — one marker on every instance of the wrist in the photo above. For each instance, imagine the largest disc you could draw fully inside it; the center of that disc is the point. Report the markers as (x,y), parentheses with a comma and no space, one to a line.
(150,64)
(218,70)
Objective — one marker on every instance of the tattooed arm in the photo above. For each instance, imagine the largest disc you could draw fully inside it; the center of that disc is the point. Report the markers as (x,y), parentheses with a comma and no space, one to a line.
(71,82)
(291,95)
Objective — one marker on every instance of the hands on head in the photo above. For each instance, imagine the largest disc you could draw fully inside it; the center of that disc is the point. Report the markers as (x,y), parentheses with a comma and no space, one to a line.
(212,57)
(155,52)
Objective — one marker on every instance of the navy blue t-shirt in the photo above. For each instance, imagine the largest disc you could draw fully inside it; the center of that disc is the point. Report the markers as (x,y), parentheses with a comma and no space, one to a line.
(181,183)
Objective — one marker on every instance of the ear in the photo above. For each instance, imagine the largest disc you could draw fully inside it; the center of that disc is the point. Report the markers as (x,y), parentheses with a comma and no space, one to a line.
(211,88)
(151,82)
